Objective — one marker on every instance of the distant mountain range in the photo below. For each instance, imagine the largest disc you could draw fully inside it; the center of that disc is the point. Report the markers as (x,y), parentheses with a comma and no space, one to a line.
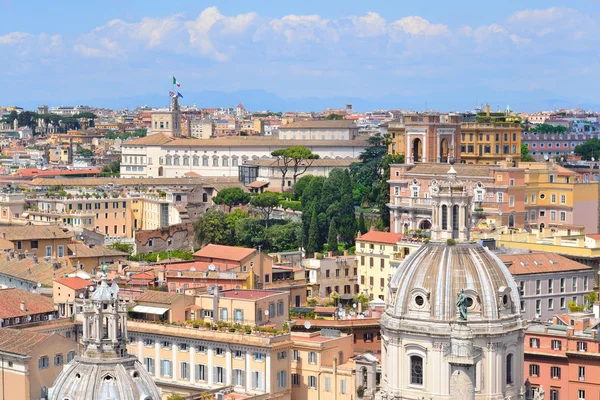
(256,100)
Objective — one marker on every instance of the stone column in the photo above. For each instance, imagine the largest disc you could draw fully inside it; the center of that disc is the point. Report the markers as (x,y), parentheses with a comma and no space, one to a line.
(157,359)
(140,350)
(209,353)
(174,369)
(248,373)
(192,364)
(228,366)
(268,373)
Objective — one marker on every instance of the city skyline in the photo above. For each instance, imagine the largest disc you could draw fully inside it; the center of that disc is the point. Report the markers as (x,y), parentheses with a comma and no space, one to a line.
(303,56)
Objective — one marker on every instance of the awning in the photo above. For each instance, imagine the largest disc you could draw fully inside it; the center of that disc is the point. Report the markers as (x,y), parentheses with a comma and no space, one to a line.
(150,310)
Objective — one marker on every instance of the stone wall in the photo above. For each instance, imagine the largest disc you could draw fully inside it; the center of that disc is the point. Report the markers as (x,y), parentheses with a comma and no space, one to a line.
(174,237)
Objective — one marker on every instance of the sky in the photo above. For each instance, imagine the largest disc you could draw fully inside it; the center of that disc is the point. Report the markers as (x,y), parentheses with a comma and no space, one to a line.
(534,54)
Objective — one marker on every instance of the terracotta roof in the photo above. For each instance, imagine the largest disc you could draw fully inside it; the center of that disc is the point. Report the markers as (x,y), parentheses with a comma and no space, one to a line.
(82,251)
(248,294)
(155,296)
(462,170)
(243,141)
(320,124)
(10,303)
(595,236)
(29,232)
(224,252)
(43,272)
(380,237)
(22,342)
(74,283)
(6,244)
(540,263)
(257,184)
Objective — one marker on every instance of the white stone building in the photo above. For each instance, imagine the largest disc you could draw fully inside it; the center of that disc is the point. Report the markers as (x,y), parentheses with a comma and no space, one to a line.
(319,130)
(162,155)
(452,327)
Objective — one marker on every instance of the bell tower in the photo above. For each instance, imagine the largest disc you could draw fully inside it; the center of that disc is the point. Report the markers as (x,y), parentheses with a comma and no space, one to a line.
(105,322)
(451,209)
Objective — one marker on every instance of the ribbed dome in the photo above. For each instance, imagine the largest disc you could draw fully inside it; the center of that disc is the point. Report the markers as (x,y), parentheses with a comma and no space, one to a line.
(427,284)
(97,379)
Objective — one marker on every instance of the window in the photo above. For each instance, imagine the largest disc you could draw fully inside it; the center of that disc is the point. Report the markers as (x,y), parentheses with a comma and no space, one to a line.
(312,357)
(416,370)
(215,162)
(555,372)
(511,201)
(238,315)
(563,216)
(205,161)
(219,351)
(581,373)
(61,251)
(149,364)
(368,337)
(509,369)
(223,314)
(282,379)
(258,380)
(574,284)
(219,375)
(280,307)
(295,355)
(184,371)
(563,199)
(552,215)
(534,343)
(552,198)
(295,379)
(201,348)
(70,356)
(327,384)
(58,360)
(238,354)
(553,394)
(562,285)
(585,283)
(20,245)
(165,345)
(271,308)
(165,368)
(581,346)
(43,362)
(282,355)
(259,357)
(534,370)
(343,386)
(556,345)
(312,382)
(581,394)
(237,376)
(538,287)
(201,373)
(48,251)
(550,304)
(183,347)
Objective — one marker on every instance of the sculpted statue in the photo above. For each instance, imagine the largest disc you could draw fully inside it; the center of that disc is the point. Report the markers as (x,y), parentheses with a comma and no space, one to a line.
(461,303)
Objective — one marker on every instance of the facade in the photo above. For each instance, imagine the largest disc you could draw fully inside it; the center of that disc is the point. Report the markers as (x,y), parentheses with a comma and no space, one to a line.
(561,357)
(19,307)
(332,274)
(490,143)
(432,138)
(104,370)
(319,130)
(29,272)
(548,282)
(379,254)
(154,305)
(555,145)
(161,155)
(201,128)
(167,122)
(31,362)
(65,293)
(12,206)
(452,326)
(41,241)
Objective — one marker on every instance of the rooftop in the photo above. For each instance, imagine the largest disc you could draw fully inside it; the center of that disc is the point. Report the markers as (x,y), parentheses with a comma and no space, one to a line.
(80,250)
(224,252)
(320,124)
(74,283)
(540,263)
(27,269)
(10,303)
(31,232)
(320,162)
(380,237)
(248,294)
(462,170)
(21,342)
(155,296)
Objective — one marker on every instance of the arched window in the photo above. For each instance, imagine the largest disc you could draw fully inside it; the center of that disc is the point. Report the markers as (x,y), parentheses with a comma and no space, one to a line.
(168,160)
(186,160)
(176,160)
(178,197)
(444,217)
(204,198)
(416,370)
(196,161)
(509,369)
(167,123)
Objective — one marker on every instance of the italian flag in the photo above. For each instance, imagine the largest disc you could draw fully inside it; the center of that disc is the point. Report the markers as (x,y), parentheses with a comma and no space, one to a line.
(175,82)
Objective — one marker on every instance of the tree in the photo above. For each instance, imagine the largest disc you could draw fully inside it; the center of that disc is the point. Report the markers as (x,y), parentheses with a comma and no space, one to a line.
(284,237)
(332,241)
(590,299)
(525,155)
(232,196)
(301,159)
(313,234)
(334,116)
(112,169)
(266,203)
(362,226)
(211,228)
(283,162)
(175,396)
(124,247)
(231,220)
(299,186)
(589,148)
(250,232)
(85,152)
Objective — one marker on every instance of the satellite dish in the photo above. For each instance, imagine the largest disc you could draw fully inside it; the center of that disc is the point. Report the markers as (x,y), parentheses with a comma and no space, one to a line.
(91,288)
(307,325)
(39,285)
(354,305)
(81,295)
(546,157)
(212,267)
(28,318)
(267,313)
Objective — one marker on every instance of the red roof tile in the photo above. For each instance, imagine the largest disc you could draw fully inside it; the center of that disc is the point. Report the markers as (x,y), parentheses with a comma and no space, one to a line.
(74,283)
(595,236)
(10,303)
(380,237)
(248,294)
(224,252)
(540,263)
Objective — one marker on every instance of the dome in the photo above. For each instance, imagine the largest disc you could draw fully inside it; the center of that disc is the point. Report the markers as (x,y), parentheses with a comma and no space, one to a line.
(96,379)
(427,284)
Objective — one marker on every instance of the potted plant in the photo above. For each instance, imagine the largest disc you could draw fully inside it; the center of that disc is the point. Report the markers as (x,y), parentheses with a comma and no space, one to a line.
(360,392)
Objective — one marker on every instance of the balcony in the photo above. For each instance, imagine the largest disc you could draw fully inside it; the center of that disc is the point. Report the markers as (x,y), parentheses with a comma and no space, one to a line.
(412,202)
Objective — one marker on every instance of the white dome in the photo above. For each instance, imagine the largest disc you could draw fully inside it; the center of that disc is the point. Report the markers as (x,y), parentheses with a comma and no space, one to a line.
(427,284)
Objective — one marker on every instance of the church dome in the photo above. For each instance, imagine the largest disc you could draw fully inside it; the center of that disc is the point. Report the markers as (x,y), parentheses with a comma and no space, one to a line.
(427,284)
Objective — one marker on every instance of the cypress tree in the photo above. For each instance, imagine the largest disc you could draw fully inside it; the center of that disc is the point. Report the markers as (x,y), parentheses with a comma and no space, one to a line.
(332,241)
(362,226)
(313,235)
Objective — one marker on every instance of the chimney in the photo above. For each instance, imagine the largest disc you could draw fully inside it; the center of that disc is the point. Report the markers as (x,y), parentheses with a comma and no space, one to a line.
(23,307)
(330,254)
(345,253)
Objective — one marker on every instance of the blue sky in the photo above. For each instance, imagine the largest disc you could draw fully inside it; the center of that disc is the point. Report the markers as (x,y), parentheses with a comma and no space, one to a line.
(531,54)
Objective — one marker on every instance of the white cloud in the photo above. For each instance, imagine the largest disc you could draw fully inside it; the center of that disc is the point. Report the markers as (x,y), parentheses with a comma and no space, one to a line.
(416,26)
(14,38)
(304,28)
(369,25)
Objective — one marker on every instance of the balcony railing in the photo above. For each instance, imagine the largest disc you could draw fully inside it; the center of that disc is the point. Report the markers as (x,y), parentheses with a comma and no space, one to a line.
(406,201)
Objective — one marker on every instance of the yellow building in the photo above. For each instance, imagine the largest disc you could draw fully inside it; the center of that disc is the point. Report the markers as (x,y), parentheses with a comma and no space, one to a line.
(379,255)
(321,367)
(493,138)
(190,361)
(41,241)
(31,362)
